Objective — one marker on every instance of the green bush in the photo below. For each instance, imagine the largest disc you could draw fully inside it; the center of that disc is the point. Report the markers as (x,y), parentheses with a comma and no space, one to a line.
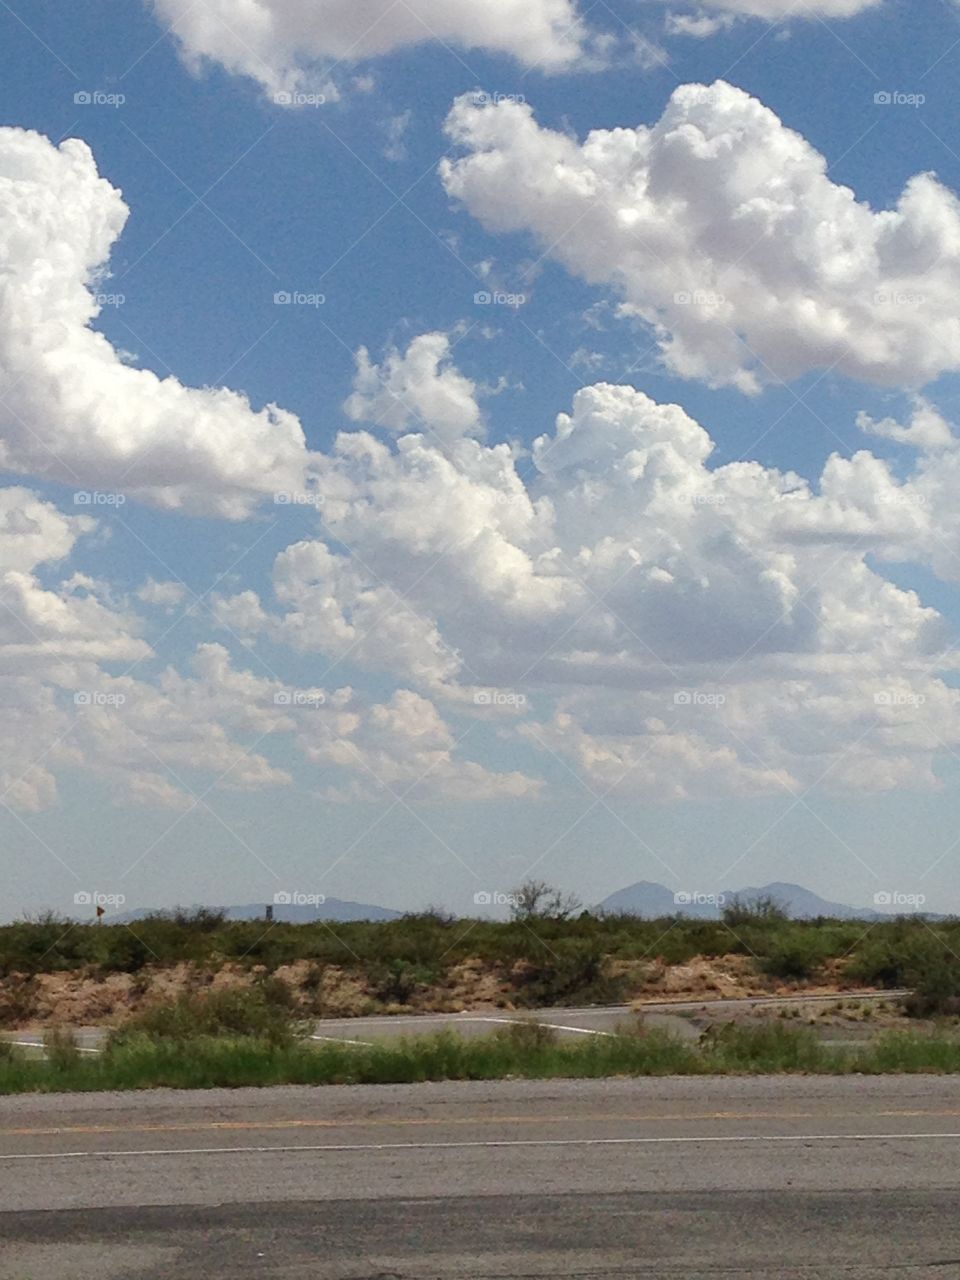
(398,982)
(795,954)
(761,910)
(916,955)
(263,1012)
(573,972)
(768,1046)
(936,986)
(18,999)
(62,1052)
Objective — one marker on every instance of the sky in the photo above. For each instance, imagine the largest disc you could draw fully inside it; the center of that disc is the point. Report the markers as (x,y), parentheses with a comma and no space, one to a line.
(444,444)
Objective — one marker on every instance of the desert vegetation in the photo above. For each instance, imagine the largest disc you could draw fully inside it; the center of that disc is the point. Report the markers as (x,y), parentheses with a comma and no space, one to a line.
(551,952)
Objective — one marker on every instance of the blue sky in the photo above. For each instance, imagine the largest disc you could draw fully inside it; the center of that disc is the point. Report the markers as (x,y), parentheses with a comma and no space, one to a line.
(525,715)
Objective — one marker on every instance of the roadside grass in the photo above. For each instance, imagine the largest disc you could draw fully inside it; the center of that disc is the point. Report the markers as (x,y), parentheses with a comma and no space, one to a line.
(263,1013)
(143,1060)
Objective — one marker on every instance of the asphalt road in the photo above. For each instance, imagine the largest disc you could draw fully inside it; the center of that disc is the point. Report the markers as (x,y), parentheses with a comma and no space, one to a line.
(819,1179)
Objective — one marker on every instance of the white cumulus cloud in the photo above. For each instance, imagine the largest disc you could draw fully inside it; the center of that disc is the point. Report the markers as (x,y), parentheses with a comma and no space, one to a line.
(292,45)
(680,628)
(70,408)
(720,228)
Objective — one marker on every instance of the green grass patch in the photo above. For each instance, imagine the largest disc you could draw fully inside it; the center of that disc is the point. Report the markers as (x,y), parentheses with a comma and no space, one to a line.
(140,1060)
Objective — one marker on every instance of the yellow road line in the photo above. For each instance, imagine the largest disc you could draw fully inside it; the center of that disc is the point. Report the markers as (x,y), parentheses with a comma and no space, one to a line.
(428,1121)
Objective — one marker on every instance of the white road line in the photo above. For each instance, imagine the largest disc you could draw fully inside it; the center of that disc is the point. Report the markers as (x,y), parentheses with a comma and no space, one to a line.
(367,1044)
(554,1026)
(38,1044)
(579,1031)
(458,1146)
(477,1018)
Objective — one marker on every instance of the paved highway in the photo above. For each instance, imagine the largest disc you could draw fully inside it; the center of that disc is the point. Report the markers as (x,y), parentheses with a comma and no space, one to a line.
(805,1179)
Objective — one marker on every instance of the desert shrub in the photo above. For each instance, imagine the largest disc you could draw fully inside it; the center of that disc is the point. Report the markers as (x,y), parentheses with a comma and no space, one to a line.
(399,982)
(200,919)
(760,910)
(769,1046)
(18,999)
(936,986)
(795,954)
(886,959)
(572,973)
(61,1049)
(538,900)
(525,1034)
(262,1012)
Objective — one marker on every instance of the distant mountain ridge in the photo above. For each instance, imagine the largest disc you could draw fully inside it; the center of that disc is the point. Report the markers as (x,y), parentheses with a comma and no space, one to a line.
(646,898)
(649,899)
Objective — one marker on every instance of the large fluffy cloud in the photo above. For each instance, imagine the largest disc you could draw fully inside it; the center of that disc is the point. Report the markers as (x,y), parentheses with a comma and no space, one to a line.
(660,624)
(720,228)
(290,45)
(655,621)
(70,409)
(76,693)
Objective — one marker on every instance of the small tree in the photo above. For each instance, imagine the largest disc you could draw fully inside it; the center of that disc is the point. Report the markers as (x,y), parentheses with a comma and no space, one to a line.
(538,900)
(763,909)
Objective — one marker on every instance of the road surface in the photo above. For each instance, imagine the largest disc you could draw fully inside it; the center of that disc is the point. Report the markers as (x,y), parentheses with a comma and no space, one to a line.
(786,1178)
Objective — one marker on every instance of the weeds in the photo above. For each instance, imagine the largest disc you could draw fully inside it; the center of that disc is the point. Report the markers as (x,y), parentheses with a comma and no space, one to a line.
(264,1014)
(142,1061)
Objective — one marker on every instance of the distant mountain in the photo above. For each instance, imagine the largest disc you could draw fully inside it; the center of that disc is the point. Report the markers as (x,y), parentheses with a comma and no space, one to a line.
(803,903)
(332,909)
(648,899)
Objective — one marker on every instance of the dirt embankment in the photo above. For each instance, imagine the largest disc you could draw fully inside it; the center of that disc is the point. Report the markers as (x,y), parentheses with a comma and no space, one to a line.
(87,999)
